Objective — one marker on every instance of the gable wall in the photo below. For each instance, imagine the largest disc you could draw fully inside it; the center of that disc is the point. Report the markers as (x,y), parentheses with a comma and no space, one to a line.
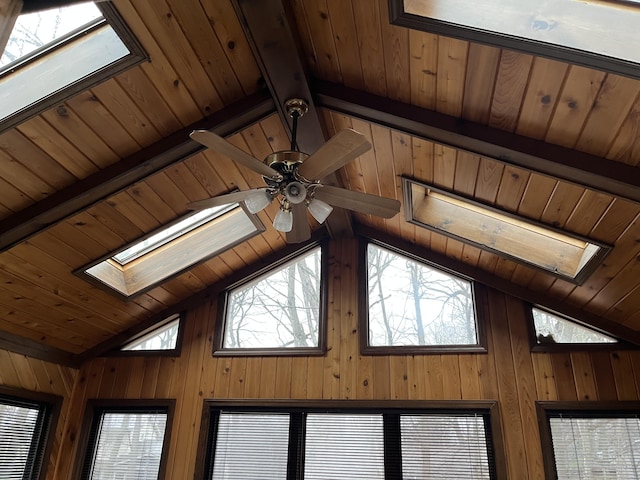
(509,373)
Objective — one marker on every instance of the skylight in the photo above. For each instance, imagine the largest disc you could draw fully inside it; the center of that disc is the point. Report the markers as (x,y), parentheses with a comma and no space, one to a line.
(52,54)
(560,253)
(171,250)
(602,27)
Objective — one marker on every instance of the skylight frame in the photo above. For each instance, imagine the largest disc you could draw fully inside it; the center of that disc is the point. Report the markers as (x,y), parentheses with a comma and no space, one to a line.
(128,281)
(584,268)
(136,55)
(400,16)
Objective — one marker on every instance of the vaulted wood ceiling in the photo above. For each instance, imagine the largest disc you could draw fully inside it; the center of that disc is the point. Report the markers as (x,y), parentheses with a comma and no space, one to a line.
(550,141)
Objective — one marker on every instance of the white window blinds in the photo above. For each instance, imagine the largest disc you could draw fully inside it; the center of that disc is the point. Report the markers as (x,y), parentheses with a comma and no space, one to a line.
(127,446)
(251,446)
(603,448)
(19,428)
(344,447)
(439,446)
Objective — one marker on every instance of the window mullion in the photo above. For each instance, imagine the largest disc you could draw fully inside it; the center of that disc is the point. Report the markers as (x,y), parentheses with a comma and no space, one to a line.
(295,460)
(392,447)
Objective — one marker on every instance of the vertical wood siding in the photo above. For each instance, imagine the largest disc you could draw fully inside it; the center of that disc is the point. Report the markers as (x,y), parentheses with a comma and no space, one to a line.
(509,373)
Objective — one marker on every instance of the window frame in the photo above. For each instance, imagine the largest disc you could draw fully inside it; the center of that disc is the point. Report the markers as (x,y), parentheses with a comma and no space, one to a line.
(136,56)
(488,408)
(571,347)
(50,413)
(478,296)
(264,268)
(173,352)
(93,412)
(593,409)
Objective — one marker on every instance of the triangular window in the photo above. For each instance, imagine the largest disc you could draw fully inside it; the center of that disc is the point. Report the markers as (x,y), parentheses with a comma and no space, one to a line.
(551,329)
(164,337)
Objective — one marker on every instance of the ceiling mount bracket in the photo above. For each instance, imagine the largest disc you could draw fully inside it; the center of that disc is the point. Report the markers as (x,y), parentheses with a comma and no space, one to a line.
(296,107)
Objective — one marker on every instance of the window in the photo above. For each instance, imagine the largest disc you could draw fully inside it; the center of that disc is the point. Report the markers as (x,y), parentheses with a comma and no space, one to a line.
(126,442)
(278,311)
(171,250)
(591,441)
(601,33)
(567,256)
(414,307)
(73,48)
(552,329)
(311,440)
(26,420)
(157,339)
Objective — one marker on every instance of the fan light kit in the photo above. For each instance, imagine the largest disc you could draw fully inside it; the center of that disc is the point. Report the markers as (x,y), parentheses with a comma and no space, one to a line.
(293,178)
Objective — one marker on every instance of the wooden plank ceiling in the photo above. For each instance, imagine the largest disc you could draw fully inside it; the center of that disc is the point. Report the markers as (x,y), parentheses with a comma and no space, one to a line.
(203,63)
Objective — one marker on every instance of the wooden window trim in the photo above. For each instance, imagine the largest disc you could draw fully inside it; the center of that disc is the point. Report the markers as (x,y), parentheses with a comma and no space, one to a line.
(248,275)
(544,408)
(479,296)
(486,407)
(52,405)
(95,407)
(174,352)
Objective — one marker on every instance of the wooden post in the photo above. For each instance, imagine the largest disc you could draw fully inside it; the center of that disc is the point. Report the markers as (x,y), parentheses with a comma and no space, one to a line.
(9,11)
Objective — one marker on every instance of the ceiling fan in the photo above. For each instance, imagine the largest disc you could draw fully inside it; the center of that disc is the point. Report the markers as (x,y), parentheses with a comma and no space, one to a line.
(293,178)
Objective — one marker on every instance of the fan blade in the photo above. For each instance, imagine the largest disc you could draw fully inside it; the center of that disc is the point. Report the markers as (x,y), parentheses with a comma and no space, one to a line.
(301,230)
(226,199)
(358,201)
(220,145)
(337,152)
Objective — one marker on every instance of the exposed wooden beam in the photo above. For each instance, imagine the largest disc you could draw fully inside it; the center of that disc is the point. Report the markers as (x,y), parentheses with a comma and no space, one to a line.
(488,279)
(9,11)
(125,173)
(273,40)
(30,348)
(597,173)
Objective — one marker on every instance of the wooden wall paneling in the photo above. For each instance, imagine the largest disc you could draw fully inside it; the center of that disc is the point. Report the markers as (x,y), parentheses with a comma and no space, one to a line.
(490,174)
(603,376)
(450,78)
(282,387)
(611,106)
(423,68)
(482,69)
(367,21)
(624,376)
(544,377)
(507,387)
(525,384)
(316,15)
(156,381)
(299,377)
(252,380)
(545,81)
(199,33)
(188,106)
(434,377)
(348,318)
(401,145)
(535,197)
(625,146)
(398,372)
(303,35)
(268,377)
(381,375)
(584,376)
(395,43)
(590,209)
(444,166)
(563,201)
(513,75)
(385,165)
(576,101)
(331,372)
(136,368)
(315,377)
(466,173)
(469,376)
(563,374)
(513,184)
(609,297)
(109,377)
(346,42)
(23,179)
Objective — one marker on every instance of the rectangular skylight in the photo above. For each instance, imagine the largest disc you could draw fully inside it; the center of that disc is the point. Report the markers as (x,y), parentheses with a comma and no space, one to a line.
(173,249)
(565,255)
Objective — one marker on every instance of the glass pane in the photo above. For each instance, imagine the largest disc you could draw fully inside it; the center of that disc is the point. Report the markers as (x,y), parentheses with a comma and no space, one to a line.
(35,30)
(341,446)
(251,446)
(17,426)
(451,447)
(279,310)
(163,338)
(596,448)
(552,329)
(129,445)
(412,304)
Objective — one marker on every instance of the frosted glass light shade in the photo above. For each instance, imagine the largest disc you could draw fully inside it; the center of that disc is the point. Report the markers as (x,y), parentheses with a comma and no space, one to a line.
(283,222)
(295,192)
(319,210)
(258,200)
